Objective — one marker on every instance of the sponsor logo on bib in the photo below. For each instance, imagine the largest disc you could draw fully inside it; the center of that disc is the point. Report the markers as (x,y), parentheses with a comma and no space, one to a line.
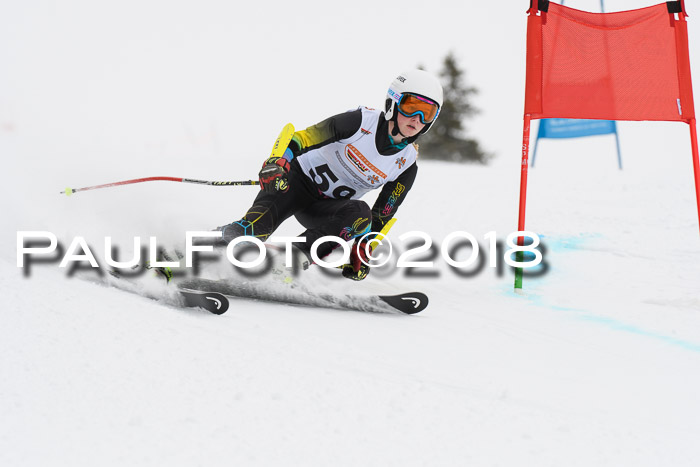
(361,162)
(355,157)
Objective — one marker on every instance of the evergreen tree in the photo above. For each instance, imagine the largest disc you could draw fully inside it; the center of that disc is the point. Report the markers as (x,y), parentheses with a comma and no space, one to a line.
(447,139)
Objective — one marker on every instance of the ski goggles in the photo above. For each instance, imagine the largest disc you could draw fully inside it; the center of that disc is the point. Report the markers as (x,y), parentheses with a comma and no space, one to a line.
(411,105)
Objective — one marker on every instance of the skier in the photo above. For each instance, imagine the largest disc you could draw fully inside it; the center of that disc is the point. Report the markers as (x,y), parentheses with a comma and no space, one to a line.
(329,166)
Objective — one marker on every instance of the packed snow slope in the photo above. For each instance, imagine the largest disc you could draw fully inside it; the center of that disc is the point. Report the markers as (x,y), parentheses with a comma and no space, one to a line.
(595,363)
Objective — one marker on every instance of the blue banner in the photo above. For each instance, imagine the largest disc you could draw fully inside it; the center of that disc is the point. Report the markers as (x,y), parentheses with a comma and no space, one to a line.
(574,128)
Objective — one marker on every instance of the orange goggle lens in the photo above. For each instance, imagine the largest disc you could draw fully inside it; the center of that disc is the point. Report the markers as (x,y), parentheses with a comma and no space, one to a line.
(411,105)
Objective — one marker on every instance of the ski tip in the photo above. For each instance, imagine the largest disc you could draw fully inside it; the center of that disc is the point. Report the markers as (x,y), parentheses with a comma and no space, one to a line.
(219,303)
(409,303)
(213,302)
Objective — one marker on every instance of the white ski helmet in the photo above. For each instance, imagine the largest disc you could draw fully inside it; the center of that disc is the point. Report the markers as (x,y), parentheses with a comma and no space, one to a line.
(418,82)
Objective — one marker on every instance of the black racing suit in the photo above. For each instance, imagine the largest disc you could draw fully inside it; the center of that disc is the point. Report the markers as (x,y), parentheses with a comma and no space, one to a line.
(319,214)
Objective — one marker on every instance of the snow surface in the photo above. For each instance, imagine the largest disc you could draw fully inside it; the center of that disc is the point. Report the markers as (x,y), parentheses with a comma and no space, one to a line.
(596,363)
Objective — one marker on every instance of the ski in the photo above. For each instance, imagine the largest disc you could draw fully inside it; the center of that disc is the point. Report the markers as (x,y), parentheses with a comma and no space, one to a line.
(213,296)
(213,302)
(405,303)
(409,303)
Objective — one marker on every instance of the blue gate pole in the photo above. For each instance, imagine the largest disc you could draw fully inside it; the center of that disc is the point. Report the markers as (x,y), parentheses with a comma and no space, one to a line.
(617,144)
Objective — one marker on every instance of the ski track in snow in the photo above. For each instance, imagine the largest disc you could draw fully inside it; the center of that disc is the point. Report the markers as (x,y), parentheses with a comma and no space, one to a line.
(594,363)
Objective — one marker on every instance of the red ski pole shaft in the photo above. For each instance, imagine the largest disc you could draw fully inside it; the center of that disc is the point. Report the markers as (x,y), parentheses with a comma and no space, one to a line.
(70,191)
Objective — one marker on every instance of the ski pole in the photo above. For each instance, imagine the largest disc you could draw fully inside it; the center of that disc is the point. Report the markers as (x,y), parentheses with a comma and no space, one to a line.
(277,151)
(70,191)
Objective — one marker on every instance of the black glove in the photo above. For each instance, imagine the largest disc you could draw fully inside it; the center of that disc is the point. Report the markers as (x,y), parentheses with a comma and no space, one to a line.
(357,270)
(273,175)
